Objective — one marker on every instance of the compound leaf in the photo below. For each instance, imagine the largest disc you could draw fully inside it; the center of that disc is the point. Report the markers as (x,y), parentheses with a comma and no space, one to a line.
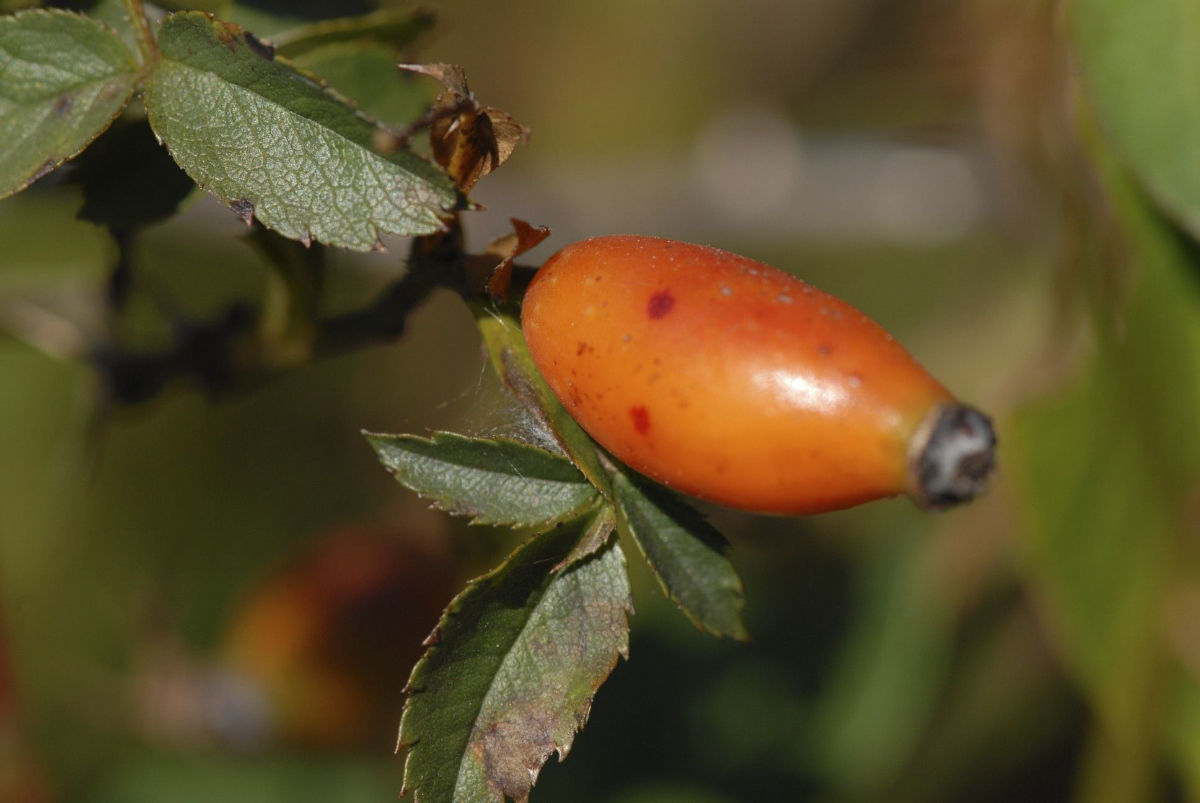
(513,666)
(495,481)
(685,554)
(63,79)
(274,143)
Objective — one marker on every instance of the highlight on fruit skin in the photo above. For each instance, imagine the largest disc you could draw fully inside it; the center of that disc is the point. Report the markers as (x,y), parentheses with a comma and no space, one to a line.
(729,380)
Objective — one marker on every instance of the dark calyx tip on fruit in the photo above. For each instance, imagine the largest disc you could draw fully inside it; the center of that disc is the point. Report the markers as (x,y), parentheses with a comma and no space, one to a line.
(955,458)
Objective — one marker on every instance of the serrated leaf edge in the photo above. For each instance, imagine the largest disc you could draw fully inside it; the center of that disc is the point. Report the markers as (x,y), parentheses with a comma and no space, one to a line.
(736,587)
(434,639)
(138,73)
(441,215)
(479,519)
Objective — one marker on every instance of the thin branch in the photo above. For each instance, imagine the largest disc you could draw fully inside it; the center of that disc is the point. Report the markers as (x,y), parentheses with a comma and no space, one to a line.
(233,352)
(229,354)
(136,12)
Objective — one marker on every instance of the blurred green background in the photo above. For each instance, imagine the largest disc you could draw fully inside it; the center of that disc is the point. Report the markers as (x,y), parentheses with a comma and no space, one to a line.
(220,599)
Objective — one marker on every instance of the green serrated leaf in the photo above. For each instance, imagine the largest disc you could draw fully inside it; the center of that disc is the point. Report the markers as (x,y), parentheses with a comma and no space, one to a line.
(113,14)
(397,27)
(271,141)
(685,553)
(1140,62)
(495,481)
(595,536)
(510,677)
(63,79)
(510,358)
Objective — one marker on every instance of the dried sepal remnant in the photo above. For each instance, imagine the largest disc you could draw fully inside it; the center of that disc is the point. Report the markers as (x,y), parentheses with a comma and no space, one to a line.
(492,270)
(468,139)
(510,675)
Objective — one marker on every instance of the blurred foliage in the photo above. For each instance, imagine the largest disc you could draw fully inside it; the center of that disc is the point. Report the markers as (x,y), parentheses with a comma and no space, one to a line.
(1041,644)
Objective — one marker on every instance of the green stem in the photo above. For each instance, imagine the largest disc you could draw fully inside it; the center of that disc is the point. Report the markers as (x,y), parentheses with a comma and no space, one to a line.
(141,25)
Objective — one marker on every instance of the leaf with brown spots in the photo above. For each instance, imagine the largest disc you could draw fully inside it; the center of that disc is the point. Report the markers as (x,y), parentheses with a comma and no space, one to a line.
(468,139)
(63,79)
(512,670)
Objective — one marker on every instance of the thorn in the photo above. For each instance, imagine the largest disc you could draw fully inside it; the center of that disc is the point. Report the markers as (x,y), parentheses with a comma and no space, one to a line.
(306,239)
(378,247)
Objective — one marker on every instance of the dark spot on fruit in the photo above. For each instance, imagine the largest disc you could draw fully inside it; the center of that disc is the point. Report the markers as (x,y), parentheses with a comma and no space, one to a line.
(583,348)
(641,419)
(825,349)
(660,304)
(260,48)
(62,106)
